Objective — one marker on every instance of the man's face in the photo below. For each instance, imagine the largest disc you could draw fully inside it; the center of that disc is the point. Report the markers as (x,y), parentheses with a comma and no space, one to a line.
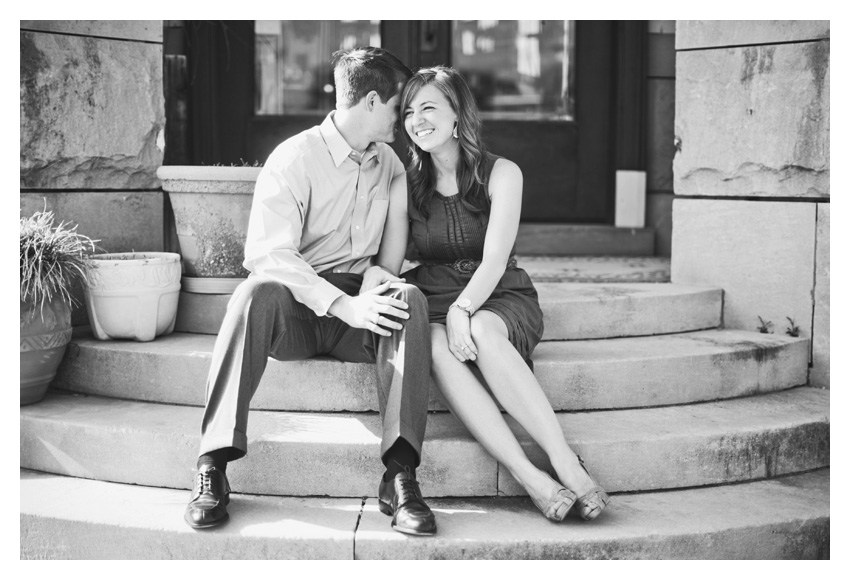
(385,119)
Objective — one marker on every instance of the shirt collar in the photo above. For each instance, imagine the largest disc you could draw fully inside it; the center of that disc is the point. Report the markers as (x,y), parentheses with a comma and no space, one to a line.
(337,145)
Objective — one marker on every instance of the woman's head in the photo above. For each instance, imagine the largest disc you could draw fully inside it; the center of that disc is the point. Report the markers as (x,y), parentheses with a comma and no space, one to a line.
(440,115)
(440,86)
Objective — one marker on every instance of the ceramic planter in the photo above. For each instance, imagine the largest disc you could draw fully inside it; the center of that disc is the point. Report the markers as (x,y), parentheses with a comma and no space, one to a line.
(211,206)
(133,295)
(44,337)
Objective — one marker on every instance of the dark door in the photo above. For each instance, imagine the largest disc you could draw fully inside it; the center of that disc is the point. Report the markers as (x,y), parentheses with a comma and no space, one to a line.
(547,89)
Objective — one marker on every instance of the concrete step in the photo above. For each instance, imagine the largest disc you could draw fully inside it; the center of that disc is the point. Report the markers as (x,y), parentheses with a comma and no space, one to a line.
(627,450)
(584,239)
(572,310)
(68,518)
(596,269)
(576,375)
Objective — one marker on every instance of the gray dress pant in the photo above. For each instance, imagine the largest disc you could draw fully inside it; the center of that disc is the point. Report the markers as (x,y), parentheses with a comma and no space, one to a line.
(263,319)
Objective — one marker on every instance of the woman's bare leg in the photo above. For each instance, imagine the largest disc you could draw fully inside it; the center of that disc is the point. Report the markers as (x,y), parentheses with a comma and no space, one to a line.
(516,388)
(470,402)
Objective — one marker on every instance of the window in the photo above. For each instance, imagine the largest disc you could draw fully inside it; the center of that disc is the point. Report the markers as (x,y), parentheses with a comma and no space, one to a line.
(294,71)
(518,69)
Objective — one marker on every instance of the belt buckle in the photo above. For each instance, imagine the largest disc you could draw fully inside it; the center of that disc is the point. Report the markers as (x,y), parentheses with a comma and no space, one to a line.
(466,265)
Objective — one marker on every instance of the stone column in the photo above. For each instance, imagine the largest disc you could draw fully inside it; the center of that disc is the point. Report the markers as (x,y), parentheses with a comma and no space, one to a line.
(751,173)
(92,128)
(660,114)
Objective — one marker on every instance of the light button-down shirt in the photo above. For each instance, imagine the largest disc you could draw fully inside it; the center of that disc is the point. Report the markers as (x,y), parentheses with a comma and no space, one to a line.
(319,206)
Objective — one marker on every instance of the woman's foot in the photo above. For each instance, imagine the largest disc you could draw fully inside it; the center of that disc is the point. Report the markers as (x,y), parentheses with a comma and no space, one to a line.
(591,497)
(550,497)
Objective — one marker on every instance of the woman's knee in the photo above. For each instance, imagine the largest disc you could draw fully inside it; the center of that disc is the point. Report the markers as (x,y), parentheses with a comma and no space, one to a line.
(487,328)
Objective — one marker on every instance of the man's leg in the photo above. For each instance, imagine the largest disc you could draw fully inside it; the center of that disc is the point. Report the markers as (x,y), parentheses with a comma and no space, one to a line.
(263,319)
(403,363)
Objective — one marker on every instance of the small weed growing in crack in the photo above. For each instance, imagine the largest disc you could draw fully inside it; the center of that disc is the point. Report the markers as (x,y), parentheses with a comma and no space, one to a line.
(793,329)
(764,326)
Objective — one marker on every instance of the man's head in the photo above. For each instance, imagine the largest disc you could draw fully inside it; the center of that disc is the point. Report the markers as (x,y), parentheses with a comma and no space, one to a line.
(368,87)
(361,70)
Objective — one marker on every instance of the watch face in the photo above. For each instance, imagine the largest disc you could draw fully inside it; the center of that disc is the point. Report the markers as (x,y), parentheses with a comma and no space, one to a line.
(464,302)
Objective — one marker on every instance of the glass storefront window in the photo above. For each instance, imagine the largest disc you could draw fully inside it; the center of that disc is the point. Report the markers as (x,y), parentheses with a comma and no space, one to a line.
(294,72)
(518,69)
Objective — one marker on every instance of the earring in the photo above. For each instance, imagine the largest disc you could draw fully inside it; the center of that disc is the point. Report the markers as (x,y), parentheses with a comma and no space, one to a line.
(454,131)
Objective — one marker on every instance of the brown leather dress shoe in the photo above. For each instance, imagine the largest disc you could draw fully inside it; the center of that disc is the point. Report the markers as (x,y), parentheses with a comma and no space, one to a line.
(210,496)
(401,498)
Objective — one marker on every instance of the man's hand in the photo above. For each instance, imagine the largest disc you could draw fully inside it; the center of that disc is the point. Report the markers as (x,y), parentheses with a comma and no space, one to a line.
(370,310)
(374,277)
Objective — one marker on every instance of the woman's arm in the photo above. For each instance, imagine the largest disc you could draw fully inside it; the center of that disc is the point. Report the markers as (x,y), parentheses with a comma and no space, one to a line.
(506,203)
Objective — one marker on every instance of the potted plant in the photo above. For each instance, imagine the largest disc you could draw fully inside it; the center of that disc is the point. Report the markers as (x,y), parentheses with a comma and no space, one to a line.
(133,295)
(53,259)
(211,206)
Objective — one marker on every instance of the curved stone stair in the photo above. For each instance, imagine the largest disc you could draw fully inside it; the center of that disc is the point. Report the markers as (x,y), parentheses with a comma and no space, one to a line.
(710,439)
(627,450)
(741,521)
(576,375)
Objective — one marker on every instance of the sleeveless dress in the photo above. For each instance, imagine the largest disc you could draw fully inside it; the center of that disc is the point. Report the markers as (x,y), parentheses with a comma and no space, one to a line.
(452,233)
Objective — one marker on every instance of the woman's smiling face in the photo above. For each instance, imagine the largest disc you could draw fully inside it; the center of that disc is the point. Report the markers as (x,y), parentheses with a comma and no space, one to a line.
(429,119)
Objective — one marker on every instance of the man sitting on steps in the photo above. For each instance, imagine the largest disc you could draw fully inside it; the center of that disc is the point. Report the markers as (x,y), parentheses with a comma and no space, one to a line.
(326,240)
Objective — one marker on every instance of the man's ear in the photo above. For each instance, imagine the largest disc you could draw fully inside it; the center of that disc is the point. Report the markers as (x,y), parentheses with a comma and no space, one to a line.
(372,99)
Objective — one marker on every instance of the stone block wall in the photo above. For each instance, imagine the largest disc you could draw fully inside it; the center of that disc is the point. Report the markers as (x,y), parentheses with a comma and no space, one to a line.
(751,173)
(92,128)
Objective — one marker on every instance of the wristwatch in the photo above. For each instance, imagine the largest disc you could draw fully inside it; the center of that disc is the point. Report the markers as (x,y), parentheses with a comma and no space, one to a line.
(464,304)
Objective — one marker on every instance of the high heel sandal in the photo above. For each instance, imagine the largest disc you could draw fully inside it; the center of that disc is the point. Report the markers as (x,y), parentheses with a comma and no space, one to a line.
(591,504)
(559,505)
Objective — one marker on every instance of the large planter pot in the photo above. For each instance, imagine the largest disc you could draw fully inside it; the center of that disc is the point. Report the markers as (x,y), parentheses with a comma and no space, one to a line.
(44,337)
(211,206)
(211,210)
(133,295)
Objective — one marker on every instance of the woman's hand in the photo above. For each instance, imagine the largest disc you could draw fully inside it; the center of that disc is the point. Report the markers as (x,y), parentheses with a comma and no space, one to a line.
(460,335)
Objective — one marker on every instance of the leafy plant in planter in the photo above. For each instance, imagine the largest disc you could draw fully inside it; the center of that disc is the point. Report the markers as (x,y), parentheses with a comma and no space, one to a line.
(53,259)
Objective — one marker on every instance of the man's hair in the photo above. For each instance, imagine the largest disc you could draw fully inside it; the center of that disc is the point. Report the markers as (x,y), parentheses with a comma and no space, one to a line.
(363,69)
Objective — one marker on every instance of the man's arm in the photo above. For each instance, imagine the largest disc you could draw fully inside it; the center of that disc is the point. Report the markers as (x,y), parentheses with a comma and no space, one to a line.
(274,234)
(272,250)
(394,240)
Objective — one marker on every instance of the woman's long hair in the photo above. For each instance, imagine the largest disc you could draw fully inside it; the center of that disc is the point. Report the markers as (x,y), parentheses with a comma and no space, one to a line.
(422,178)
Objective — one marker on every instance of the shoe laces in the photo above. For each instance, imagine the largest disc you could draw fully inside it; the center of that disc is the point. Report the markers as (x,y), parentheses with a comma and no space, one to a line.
(408,488)
(203,482)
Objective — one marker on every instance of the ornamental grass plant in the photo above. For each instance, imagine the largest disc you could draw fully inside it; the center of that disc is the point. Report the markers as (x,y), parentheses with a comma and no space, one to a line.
(53,259)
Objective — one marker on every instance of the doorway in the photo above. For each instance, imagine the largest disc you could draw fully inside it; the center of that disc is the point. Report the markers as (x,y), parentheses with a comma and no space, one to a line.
(548,91)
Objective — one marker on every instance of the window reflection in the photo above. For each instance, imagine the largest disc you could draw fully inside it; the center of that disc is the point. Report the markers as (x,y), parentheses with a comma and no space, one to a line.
(294,72)
(517,68)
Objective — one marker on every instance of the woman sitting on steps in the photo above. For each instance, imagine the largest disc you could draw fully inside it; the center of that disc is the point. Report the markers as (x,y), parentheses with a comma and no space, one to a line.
(464,206)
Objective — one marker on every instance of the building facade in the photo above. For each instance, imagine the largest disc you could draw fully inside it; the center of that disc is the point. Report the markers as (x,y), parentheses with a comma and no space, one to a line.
(729,121)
